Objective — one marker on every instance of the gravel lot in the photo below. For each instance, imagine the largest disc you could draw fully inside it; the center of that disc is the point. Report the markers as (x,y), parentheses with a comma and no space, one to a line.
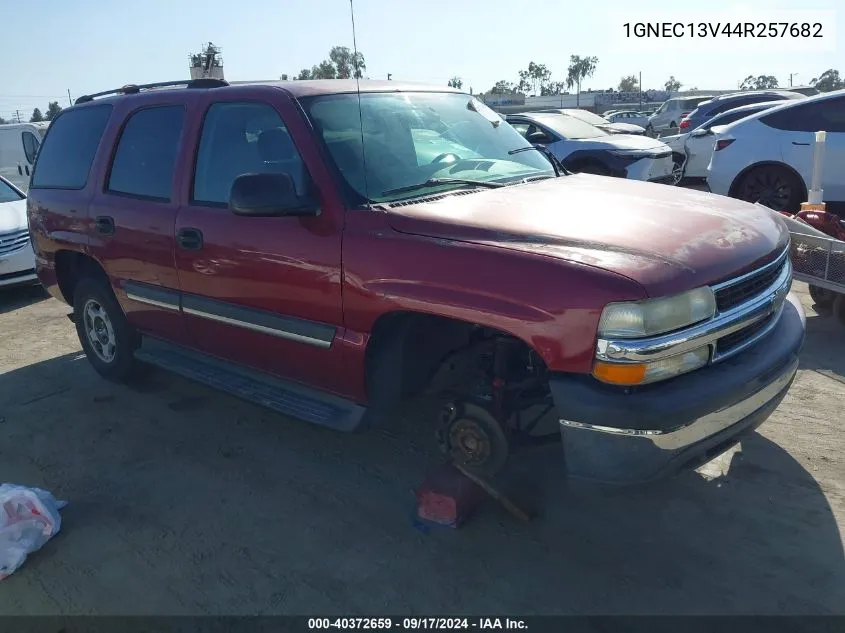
(185,501)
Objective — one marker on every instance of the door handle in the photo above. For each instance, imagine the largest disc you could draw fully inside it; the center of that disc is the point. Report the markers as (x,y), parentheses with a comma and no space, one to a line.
(104,225)
(20,171)
(26,167)
(803,144)
(189,239)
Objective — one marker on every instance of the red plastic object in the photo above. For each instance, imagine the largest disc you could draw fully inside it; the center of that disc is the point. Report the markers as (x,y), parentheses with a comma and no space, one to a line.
(447,497)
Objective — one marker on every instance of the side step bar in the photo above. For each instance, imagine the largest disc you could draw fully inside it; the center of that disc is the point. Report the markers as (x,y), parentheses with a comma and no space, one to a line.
(284,397)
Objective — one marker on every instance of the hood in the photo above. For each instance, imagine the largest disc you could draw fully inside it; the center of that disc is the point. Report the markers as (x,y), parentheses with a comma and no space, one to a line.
(622,142)
(12,216)
(625,128)
(665,238)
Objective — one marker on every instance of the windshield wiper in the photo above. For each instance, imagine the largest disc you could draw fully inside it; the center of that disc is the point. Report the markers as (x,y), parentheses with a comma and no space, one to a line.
(545,151)
(434,182)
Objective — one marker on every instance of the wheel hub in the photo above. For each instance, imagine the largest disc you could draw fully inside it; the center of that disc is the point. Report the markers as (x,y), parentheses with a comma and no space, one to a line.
(99,331)
(470,441)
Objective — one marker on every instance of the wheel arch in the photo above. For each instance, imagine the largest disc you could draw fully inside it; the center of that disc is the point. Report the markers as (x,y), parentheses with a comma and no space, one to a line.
(406,348)
(71,266)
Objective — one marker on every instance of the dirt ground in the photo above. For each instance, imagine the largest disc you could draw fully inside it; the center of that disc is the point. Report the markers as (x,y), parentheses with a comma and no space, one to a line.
(184,501)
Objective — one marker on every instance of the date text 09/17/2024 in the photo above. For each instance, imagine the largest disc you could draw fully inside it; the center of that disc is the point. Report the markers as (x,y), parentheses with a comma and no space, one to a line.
(418,624)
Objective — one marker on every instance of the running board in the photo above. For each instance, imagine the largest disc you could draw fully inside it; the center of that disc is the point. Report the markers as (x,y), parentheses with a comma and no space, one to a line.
(281,396)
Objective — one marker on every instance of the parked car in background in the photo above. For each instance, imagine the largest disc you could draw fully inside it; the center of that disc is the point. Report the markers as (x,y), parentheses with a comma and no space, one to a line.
(706,110)
(19,143)
(631,117)
(287,243)
(601,122)
(768,157)
(582,147)
(691,151)
(17,260)
(668,116)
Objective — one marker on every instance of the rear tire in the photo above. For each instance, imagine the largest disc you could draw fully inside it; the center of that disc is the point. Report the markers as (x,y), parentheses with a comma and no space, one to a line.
(822,297)
(106,337)
(772,186)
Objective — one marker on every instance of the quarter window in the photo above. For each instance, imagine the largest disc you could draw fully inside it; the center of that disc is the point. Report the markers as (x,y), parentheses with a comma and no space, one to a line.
(145,158)
(243,138)
(69,148)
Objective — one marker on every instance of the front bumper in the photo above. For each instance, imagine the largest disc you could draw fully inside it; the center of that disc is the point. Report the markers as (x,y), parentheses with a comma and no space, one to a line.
(614,436)
(651,169)
(18,267)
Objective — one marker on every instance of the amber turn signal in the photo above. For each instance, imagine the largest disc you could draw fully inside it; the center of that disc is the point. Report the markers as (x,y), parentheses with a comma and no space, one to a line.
(620,374)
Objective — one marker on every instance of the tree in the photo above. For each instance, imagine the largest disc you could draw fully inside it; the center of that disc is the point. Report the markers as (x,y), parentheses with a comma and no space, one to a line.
(760,82)
(579,69)
(534,78)
(347,63)
(341,64)
(503,87)
(629,84)
(2,121)
(53,109)
(456,82)
(828,80)
(553,88)
(284,77)
(672,84)
(36,116)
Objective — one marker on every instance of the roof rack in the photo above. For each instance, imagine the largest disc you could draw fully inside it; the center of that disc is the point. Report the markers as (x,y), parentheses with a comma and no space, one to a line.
(131,89)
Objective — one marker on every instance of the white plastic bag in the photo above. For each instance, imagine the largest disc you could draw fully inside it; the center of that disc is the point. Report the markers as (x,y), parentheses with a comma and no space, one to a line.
(29,517)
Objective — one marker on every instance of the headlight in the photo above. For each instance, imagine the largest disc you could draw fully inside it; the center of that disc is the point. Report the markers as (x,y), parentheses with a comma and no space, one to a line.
(638,319)
(631,374)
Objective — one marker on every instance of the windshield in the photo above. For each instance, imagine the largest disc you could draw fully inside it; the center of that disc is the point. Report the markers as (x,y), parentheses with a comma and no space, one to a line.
(569,127)
(411,137)
(586,116)
(7,194)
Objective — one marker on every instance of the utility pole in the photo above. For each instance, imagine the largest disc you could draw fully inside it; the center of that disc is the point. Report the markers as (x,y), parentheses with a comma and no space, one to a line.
(790,78)
(69,100)
(641,90)
(18,115)
(389,75)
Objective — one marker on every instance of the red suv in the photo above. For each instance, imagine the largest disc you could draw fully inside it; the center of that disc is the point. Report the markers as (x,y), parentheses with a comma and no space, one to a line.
(332,250)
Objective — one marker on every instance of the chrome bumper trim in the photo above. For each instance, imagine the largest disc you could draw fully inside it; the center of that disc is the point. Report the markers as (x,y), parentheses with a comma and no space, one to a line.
(706,333)
(705,426)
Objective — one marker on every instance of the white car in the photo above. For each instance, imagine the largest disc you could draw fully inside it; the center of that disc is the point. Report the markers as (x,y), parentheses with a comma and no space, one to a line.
(768,157)
(602,123)
(668,116)
(630,117)
(19,143)
(692,150)
(17,259)
(582,147)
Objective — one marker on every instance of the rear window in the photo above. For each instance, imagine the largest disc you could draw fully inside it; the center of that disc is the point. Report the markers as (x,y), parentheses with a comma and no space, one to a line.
(689,104)
(68,150)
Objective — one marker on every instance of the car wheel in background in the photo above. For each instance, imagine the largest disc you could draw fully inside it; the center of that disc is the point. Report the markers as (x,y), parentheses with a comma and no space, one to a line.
(678,161)
(772,186)
(107,338)
(822,297)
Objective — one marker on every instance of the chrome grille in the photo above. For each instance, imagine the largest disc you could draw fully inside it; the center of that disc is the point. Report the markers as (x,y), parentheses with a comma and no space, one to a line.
(745,335)
(14,241)
(737,291)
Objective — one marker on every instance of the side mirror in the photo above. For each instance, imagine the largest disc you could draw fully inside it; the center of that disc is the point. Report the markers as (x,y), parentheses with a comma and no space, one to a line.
(268,195)
(701,132)
(538,138)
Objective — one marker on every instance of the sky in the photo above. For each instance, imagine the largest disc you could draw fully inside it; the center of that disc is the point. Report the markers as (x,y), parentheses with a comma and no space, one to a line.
(92,45)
